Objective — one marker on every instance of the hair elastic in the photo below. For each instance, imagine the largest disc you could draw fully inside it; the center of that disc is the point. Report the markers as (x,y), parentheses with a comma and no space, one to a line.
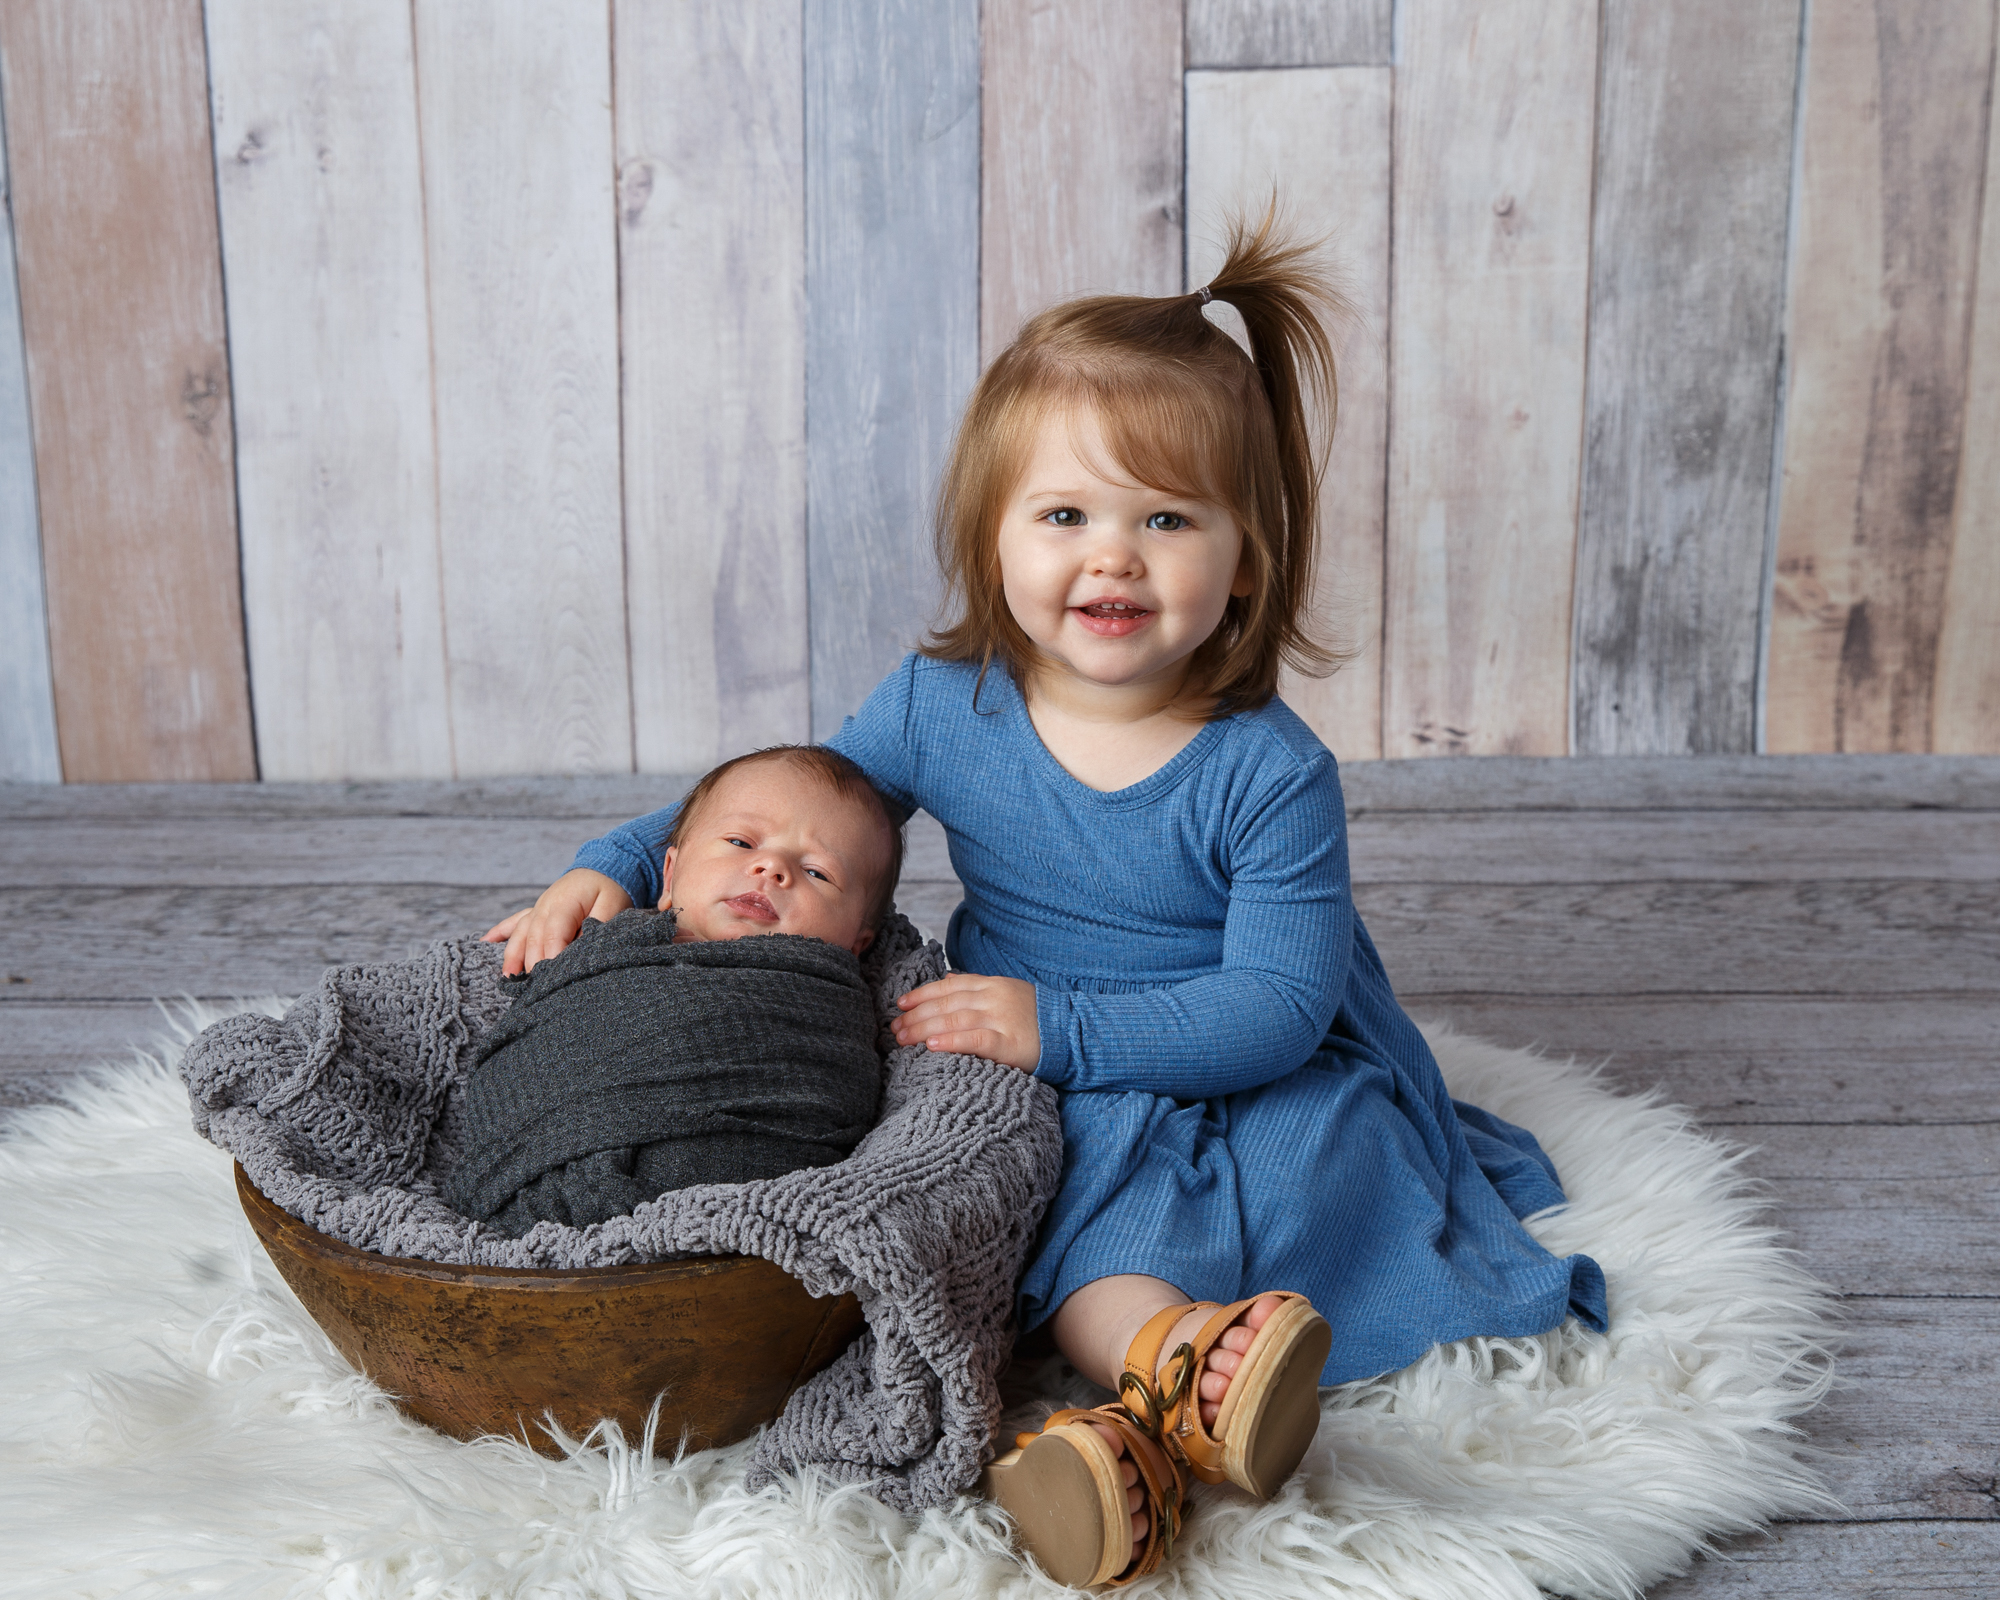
(1207,294)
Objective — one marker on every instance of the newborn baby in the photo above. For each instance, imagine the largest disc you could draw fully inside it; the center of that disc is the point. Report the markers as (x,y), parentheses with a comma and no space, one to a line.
(667,1049)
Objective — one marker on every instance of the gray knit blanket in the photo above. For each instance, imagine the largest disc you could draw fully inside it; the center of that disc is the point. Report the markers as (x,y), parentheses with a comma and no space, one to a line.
(347,1112)
(630,1065)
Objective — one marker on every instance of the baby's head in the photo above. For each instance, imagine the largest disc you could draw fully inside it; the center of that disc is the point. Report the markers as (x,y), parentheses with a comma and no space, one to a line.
(788,840)
(1166,399)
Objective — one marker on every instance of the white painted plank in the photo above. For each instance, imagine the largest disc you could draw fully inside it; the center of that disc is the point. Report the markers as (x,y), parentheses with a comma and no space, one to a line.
(1289,33)
(1493,134)
(1965,714)
(892,343)
(514,102)
(320,189)
(1686,306)
(28,751)
(711,182)
(1320,139)
(1080,156)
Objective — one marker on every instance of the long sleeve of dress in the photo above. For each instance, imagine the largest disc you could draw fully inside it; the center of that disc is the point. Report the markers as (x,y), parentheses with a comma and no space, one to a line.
(876,741)
(1287,936)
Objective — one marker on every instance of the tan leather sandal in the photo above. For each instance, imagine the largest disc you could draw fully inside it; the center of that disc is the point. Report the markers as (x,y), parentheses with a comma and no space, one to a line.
(1271,1411)
(1066,1494)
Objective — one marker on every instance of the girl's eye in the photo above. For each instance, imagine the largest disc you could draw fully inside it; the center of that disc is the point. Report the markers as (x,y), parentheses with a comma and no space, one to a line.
(1064,517)
(1166,522)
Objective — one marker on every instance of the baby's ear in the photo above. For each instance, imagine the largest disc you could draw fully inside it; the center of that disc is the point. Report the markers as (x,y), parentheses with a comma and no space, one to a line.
(863,941)
(667,882)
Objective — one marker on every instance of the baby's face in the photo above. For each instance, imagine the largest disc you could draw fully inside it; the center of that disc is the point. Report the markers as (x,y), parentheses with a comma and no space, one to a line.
(774,850)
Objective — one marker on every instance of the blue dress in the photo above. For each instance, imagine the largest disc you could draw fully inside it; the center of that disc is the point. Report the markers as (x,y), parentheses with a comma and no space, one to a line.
(1244,1104)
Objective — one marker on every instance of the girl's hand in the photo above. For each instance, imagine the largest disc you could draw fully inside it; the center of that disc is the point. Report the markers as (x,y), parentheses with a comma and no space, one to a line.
(966,1014)
(546,928)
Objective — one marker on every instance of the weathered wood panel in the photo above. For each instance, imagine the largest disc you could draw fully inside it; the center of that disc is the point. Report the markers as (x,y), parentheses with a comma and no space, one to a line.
(1289,33)
(1888,1211)
(46,1042)
(1838,939)
(1965,716)
(1653,939)
(28,751)
(1693,178)
(1739,1060)
(1493,131)
(1790,783)
(1899,1436)
(711,238)
(1320,140)
(119,944)
(1875,1560)
(220,943)
(299,848)
(892,345)
(1893,143)
(1080,158)
(514,104)
(320,189)
(624,795)
(121,306)
(1464,848)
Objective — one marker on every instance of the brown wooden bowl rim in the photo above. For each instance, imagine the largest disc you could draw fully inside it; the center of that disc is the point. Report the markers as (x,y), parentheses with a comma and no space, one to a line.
(269,1219)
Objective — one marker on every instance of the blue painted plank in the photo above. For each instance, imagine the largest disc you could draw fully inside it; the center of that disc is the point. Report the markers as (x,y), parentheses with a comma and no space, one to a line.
(892,319)
(28,751)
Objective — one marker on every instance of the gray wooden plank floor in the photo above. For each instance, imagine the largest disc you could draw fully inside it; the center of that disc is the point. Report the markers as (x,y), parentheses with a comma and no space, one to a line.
(1804,951)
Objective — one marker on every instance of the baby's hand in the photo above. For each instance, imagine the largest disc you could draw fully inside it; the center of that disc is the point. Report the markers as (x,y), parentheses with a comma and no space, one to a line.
(546,928)
(966,1014)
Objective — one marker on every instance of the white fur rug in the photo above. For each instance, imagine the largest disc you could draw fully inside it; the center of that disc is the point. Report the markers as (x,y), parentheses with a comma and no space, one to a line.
(171,1423)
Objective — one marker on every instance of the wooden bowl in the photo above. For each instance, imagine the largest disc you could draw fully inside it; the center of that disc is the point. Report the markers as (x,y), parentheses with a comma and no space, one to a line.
(476,1350)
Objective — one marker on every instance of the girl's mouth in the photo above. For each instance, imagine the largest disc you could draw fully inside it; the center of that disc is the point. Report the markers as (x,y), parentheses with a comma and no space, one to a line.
(754,906)
(1111,619)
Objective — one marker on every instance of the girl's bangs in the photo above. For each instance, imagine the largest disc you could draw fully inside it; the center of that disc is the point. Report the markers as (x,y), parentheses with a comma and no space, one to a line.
(1162,431)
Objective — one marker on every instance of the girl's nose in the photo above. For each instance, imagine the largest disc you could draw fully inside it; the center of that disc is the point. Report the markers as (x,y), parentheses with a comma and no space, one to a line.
(1114,557)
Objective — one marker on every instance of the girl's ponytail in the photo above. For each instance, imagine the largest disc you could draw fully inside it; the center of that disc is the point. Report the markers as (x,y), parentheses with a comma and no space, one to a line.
(1285,305)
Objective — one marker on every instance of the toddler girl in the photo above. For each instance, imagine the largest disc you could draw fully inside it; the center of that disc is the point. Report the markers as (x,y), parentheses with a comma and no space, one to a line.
(1266,1186)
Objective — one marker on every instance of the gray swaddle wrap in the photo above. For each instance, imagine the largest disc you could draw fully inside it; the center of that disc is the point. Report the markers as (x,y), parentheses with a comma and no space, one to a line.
(630,1066)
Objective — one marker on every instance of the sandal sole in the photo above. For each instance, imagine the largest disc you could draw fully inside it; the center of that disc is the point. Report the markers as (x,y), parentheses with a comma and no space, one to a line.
(1067,1499)
(1271,1413)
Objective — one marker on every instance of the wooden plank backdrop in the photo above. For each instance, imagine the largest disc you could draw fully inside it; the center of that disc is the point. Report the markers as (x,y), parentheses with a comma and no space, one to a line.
(1080,156)
(319,181)
(514,113)
(1893,142)
(1694,138)
(1492,266)
(892,345)
(563,387)
(1321,137)
(711,238)
(113,192)
(28,751)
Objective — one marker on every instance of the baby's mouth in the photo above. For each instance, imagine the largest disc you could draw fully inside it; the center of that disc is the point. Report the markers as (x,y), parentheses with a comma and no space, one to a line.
(754,906)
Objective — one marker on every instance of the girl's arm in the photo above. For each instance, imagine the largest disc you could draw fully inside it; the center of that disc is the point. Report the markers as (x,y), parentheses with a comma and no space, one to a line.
(630,860)
(1288,935)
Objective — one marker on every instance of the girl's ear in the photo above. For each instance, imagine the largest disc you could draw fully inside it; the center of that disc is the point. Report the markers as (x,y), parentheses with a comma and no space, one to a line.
(1244,581)
(667,882)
